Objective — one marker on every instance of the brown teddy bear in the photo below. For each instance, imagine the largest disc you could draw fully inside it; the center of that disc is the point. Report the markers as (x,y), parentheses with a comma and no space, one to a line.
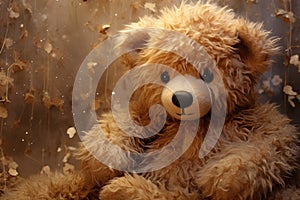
(194,127)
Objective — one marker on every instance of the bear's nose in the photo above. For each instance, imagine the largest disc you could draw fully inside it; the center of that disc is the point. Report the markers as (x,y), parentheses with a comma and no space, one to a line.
(182,99)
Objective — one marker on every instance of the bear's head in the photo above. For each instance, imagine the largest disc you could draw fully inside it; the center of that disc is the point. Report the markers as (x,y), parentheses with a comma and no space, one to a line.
(203,56)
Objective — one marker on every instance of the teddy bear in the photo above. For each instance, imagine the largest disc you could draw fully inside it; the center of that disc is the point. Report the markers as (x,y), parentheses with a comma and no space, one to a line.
(192,126)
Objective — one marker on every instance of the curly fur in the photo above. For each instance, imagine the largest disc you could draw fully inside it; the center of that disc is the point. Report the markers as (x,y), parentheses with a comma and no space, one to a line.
(255,155)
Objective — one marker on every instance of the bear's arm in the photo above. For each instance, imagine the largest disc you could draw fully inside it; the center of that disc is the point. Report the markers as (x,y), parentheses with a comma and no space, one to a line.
(260,152)
(105,151)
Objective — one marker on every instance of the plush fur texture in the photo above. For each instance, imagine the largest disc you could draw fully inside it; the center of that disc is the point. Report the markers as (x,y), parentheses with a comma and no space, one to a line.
(255,155)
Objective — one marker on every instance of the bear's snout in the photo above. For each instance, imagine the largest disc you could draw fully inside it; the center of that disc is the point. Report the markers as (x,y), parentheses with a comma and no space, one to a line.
(186,97)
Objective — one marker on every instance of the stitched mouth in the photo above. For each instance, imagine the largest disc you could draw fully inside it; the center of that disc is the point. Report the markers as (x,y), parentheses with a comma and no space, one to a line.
(183,113)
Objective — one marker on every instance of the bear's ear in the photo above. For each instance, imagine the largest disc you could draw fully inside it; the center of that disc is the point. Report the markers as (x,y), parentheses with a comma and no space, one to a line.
(129,43)
(132,40)
(254,46)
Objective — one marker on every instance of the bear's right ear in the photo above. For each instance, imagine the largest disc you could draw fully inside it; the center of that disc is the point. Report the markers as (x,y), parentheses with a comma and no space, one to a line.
(129,44)
(255,47)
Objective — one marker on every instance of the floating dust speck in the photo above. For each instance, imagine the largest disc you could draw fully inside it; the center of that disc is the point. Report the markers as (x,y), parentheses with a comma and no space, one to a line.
(71,132)
(46,170)
(59,149)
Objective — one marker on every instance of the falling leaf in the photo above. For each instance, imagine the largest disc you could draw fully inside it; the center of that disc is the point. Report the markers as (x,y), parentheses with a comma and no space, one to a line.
(59,149)
(66,157)
(24,34)
(48,47)
(289,90)
(8,42)
(13,14)
(290,100)
(150,6)
(46,170)
(276,80)
(294,60)
(286,15)
(91,66)
(104,28)
(71,132)
(29,98)
(13,172)
(68,168)
(72,148)
(58,102)
(5,80)
(3,112)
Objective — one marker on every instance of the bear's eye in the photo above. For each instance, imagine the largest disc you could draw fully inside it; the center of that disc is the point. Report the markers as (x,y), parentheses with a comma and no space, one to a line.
(207,76)
(165,77)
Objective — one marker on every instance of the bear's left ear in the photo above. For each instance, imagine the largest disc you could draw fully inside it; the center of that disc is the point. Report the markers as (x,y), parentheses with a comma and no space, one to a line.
(255,47)
(130,42)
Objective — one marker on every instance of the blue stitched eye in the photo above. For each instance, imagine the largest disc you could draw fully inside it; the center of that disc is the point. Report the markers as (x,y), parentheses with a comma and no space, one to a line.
(165,77)
(207,76)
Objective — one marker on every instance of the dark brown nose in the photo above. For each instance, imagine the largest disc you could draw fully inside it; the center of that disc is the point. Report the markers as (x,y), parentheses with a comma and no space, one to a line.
(182,99)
